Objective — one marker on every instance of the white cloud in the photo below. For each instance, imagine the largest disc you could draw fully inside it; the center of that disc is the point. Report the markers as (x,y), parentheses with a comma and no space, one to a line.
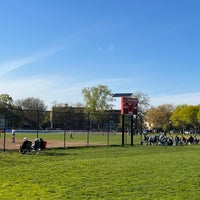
(48,89)
(179,99)
(61,89)
(8,66)
(22,88)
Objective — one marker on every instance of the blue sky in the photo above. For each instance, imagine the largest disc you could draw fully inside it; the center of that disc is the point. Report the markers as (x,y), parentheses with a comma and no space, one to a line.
(52,49)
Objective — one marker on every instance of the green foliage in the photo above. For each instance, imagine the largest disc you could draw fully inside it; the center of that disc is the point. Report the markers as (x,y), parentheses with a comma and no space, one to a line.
(189,115)
(139,172)
(6,101)
(97,98)
(198,114)
(176,116)
(186,115)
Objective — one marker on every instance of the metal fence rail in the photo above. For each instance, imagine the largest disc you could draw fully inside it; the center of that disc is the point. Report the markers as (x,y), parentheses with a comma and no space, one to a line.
(61,128)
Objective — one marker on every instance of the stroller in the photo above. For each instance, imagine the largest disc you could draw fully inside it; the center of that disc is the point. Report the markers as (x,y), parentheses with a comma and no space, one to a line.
(26,147)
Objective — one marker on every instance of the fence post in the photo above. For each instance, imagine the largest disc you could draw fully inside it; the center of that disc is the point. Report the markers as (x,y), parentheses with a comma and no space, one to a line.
(65,126)
(4,135)
(88,129)
(37,121)
(108,133)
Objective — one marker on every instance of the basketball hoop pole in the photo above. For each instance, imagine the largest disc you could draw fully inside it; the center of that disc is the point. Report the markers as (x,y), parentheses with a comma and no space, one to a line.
(122,129)
(131,130)
(129,105)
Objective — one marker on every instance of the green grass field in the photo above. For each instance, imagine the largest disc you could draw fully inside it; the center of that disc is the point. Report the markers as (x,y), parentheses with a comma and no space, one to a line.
(138,172)
(84,138)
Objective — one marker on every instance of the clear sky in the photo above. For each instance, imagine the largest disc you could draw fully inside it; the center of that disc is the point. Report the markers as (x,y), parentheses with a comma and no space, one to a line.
(52,49)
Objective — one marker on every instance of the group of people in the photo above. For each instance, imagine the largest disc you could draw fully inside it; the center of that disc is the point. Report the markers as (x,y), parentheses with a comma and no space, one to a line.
(163,139)
(27,146)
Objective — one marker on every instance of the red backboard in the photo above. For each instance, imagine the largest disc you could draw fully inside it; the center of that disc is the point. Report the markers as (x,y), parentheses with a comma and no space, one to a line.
(129,105)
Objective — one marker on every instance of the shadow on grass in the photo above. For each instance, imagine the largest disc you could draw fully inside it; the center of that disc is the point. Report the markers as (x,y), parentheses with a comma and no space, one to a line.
(60,151)
(47,152)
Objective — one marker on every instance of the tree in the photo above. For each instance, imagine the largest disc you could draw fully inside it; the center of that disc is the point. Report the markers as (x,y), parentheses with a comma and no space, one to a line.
(190,116)
(176,117)
(31,103)
(97,100)
(159,116)
(6,101)
(31,110)
(143,106)
(186,116)
(198,114)
(143,99)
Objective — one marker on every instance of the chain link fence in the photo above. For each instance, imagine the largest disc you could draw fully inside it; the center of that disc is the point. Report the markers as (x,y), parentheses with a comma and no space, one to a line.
(69,127)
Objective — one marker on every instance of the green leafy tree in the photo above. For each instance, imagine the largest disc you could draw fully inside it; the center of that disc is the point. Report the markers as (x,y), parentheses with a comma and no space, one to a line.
(198,114)
(190,116)
(177,117)
(6,104)
(6,101)
(97,101)
(186,116)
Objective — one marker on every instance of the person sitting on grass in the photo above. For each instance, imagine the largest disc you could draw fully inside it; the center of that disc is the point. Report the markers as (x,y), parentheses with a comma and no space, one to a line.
(196,140)
(37,144)
(26,146)
(177,140)
(42,144)
(170,142)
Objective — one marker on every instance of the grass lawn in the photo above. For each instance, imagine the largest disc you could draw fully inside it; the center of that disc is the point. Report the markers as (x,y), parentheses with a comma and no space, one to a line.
(138,172)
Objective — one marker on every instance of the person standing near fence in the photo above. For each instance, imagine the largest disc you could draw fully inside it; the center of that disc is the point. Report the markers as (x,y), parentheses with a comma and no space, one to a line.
(70,134)
(13,136)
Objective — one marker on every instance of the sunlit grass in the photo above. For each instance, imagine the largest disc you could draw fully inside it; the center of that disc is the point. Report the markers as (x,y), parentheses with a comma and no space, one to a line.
(87,138)
(139,172)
